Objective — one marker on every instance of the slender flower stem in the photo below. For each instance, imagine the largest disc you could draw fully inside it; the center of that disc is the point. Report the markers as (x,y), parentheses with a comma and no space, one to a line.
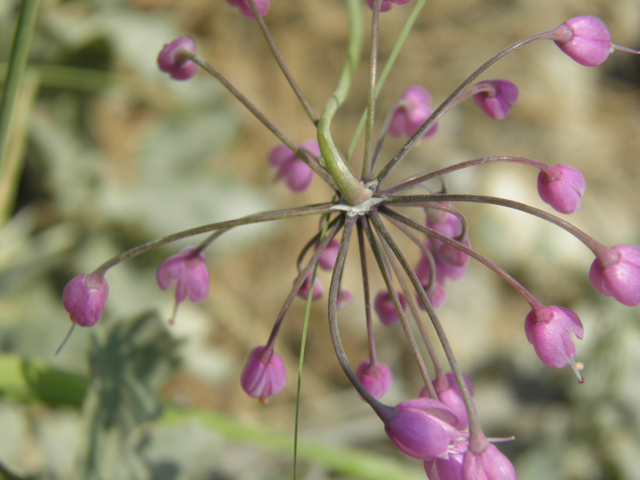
(371,97)
(352,190)
(248,220)
(381,410)
(412,306)
(442,108)
(423,248)
(314,241)
(17,64)
(208,241)
(406,200)
(302,276)
(383,135)
(276,54)
(475,429)
(322,173)
(472,253)
(367,294)
(386,275)
(423,177)
(387,68)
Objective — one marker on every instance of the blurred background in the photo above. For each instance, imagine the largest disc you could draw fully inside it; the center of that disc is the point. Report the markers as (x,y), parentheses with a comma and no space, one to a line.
(110,153)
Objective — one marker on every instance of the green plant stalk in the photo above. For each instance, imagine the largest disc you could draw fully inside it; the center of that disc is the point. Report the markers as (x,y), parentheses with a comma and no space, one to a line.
(387,68)
(17,65)
(34,380)
(353,192)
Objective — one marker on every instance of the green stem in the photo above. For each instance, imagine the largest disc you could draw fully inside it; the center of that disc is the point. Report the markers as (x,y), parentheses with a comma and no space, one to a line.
(350,188)
(17,65)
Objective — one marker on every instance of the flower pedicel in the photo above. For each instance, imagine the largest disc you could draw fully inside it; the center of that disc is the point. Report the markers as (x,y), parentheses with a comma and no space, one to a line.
(441,426)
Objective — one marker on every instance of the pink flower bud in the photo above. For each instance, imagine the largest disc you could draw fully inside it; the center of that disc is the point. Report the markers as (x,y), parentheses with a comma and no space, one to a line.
(562,188)
(451,255)
(449,394)
(585,39)
(436,215)
(436,295)
(245,8)
(264,374)
(617,274)
(188,272)
(84,298)
(305,288)
(329,256)
(497,101)
(376,379)
(449,468)
(386,310)
(489,464)
(171,60)
(412,113)
(297,174)
(423,428)
(345,298)
(548,328)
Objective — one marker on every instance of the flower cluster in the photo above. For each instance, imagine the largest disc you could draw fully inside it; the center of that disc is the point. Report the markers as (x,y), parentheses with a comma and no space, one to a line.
(440,425)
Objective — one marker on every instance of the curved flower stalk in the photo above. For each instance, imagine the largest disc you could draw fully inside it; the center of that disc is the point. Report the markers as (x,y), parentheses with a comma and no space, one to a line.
(440,427)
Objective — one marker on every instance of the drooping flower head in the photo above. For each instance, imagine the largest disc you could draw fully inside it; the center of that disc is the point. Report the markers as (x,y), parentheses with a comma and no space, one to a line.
(385,308)
(297,174)
(245,8)
(84,298)
(447,468)
(305,288)
(188,272)
(376,379)
(264,374)
(585,39)
(562,187)
(548,329)
(423,428)
(489,464)
(171,60)
(449,394)
(497,100)
(617,274)
(413,111)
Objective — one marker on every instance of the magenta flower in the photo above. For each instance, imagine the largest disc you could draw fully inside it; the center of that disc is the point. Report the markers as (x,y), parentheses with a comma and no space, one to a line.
(386,5)
(376,379)
(489,464)
(84,298)
(297,174)
(345,298)
(328,257)
(264,374)
(245,8)
(305,288)
(412,113)
(449,394)
(436,295)
(422,428)
(585,39)
(617,274)
(171,60)
(547,329)
(188,272)
(496,102)
(449,468)
(562,188)
(385,308)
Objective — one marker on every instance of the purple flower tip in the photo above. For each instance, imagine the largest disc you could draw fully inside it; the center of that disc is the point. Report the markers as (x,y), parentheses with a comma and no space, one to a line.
(386,310)
(548,328)
(449,394)
(562,187)
(449,468)
(489,464)
(617,274)
(84,298)
(329,256)
(188,272)
(423,428)
(585,39)
(496,101)
(171,61)
(305,288)
(375,379)
(245,8)
(386,5)
(297,174)
(412,113)
(264,374)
